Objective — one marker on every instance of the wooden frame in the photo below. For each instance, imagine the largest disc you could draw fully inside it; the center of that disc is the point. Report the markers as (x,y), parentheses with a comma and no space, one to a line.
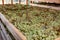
(14,31)
(4,35)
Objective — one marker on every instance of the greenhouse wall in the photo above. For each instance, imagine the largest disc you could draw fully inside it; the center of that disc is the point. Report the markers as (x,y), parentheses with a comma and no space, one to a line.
(14,1)
(0,1)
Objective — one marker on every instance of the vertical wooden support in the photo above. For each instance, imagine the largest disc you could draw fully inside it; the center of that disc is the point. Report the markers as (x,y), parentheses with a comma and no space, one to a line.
(19,1)
(12,2)
(2,2)
(32,1)
(26,2)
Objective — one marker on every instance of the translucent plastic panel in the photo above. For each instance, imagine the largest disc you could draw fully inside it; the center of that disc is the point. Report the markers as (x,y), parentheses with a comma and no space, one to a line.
(15,1)
(0,1)
(22,0)
(7,1)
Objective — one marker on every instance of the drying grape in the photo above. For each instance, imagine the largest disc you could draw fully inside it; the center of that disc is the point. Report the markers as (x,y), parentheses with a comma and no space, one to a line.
(43,24)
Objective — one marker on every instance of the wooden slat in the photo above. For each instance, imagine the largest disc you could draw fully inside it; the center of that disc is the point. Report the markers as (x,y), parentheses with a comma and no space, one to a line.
(1,37)
(45,6)
(4,33)
(0,34)
(14,31)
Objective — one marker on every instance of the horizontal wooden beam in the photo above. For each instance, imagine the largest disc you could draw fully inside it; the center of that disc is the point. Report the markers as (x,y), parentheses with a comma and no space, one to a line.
(45,6)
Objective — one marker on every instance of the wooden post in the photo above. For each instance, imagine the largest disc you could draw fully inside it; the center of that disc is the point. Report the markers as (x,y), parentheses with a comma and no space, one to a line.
(19,1)
(12,2)
(26,2)
(2,2)
(32,1)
